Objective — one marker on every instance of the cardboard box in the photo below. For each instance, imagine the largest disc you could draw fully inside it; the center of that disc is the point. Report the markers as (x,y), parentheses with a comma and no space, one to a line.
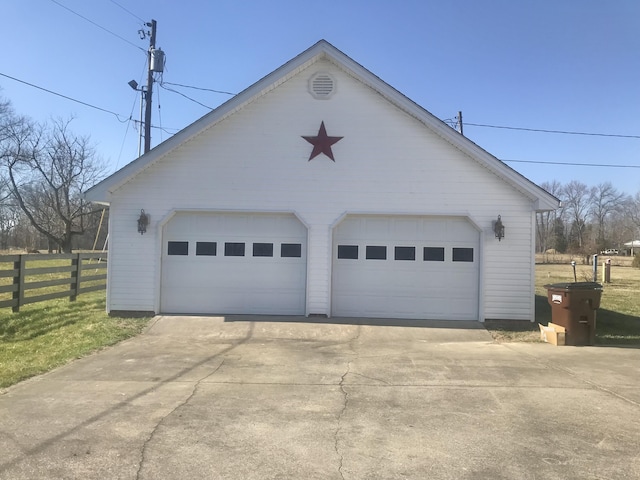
(553,334)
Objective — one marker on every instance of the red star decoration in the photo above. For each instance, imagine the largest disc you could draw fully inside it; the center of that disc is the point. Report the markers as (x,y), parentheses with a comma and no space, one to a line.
(322,143)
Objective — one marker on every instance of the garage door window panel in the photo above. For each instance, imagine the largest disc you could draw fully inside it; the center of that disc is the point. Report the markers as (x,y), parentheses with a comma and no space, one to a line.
(348,252)
(206,249)
(405,253)
(263,249)
(463,254)
(376,252)
(177,248)
(291,250)
(433,254)
(233,249)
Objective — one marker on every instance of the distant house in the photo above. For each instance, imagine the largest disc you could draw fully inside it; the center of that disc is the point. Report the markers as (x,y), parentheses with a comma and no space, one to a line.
(322,190)
(631,248)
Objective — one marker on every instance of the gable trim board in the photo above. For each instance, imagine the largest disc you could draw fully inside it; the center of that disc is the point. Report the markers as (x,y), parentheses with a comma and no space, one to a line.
(401,174)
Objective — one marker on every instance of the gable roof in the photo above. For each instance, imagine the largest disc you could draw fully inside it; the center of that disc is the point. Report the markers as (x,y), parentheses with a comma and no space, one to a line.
(542,200)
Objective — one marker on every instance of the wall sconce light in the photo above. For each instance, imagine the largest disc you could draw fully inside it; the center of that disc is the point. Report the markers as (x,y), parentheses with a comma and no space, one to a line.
(143,221)
(498,228)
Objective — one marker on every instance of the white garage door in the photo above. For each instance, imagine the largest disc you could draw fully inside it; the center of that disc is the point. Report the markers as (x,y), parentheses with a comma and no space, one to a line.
(234,263)
(406,267)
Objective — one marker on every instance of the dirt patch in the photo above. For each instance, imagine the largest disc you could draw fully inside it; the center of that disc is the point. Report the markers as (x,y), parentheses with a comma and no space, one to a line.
(513,330)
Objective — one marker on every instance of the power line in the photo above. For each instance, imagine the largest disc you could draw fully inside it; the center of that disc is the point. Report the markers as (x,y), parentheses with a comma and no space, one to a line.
(166,129)
(65,97)
(199,88)
(130,119)
(122,144)
(185,96)
(130,13)
(608,165)
(564,132)
(160,115)
(99,26)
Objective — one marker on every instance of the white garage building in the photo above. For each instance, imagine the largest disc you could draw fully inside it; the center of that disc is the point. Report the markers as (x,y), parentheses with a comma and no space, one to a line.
(321,190)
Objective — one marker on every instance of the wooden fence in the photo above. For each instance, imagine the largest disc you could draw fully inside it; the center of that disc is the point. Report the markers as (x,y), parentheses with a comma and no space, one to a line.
(61,275)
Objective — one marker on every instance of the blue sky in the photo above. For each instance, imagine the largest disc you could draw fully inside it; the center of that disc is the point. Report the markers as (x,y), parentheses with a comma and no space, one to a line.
(568,65)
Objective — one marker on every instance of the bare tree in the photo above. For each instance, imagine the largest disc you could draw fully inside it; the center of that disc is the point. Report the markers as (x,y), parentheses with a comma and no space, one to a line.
(9,215)
(606,201)
(15,134)
(578,198)
(632,216)
(620,227)
(545,221)
(48,167)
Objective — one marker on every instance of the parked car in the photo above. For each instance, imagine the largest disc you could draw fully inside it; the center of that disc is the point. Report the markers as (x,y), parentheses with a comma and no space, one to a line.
(609,251)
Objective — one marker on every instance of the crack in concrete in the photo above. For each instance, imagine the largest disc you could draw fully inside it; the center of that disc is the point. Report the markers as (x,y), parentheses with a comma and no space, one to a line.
(355,339)
(339,427)
(162,420)
(345,404)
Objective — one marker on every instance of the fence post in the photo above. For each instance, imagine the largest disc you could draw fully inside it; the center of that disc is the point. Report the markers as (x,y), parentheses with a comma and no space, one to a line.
(18,294)
(75,277)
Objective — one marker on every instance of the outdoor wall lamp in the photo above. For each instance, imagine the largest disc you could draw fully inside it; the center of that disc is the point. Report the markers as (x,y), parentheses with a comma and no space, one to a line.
(498,228)
(143,221)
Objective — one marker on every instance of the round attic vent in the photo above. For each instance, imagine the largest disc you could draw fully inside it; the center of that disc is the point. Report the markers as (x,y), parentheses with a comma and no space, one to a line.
(322,86)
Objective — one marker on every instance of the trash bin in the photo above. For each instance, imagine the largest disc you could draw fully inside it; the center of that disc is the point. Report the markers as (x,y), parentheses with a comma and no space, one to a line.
(574,305)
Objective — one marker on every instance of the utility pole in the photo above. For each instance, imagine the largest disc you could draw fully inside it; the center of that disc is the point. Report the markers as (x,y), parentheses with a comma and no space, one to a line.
(148,93)
(155,61)
(459,123)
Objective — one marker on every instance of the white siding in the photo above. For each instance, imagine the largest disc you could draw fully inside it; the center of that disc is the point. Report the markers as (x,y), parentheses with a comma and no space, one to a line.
(387,162)
(133,258)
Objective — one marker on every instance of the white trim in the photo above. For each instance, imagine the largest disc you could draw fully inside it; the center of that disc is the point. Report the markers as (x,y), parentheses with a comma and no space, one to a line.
(532,308)
(408,213)
(307,267)
(330,233)
(329,260)
(481,276)
(109,265)
(158,255)
(174,211)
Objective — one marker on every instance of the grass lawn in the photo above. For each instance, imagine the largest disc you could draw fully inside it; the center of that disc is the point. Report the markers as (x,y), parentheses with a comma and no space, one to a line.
(617,319)
(45,335)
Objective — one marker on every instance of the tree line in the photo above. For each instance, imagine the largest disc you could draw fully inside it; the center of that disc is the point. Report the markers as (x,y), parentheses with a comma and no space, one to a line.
(590,220)
(44,168)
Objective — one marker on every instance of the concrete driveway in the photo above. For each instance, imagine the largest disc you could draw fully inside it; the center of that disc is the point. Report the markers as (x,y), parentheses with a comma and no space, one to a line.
(258,398)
